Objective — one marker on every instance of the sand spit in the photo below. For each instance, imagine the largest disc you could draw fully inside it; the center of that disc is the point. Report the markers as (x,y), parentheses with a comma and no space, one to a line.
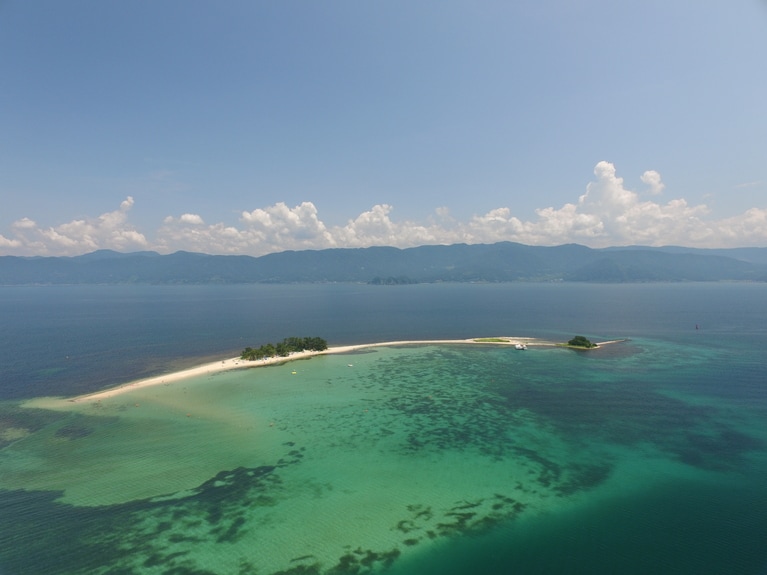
(237,363)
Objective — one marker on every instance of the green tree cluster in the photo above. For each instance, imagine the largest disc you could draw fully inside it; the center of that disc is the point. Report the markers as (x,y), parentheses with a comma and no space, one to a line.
(392,281)
(580,341)
(285,348)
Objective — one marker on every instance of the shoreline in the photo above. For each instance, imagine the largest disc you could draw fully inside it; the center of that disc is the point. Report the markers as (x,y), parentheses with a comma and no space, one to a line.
(238,363)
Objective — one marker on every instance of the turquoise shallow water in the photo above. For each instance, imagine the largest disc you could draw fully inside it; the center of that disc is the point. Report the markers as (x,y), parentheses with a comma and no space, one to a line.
(418,459)
(647,456)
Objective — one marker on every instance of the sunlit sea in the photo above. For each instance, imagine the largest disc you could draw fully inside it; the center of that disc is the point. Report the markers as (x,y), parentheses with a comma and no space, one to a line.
(644,456)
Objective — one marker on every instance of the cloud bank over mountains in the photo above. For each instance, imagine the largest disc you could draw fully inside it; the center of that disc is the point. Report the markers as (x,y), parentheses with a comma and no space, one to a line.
(607,214)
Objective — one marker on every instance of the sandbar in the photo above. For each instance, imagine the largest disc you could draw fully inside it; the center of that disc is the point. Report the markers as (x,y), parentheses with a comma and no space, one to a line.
(238,363)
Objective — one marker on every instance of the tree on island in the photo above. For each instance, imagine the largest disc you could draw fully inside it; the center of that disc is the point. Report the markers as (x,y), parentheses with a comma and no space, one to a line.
(285,348)
(580,341)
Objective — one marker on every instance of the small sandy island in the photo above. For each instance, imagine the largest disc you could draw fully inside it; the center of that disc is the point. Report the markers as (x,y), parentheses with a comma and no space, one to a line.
(238,363)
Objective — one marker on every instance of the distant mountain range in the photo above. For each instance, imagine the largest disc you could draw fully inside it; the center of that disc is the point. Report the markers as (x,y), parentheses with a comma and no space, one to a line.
(500,262)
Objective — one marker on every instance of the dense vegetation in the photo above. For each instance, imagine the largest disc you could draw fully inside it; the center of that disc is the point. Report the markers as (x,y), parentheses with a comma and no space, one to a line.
(392,281)
(580,341)
(285,348)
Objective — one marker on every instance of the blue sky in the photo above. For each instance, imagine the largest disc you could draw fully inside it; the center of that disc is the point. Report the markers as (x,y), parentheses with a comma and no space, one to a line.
(254,127)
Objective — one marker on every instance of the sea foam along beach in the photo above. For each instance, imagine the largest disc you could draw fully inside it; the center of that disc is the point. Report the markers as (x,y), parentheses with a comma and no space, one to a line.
(238,363)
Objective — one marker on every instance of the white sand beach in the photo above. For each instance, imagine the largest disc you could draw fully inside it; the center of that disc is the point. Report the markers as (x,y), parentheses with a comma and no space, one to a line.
(238,363)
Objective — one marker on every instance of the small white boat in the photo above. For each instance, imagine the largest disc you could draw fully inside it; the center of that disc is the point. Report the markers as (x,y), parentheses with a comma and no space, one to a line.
(520,346)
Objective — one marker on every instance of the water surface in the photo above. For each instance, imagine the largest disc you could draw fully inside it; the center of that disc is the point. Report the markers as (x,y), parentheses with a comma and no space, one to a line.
(644,456)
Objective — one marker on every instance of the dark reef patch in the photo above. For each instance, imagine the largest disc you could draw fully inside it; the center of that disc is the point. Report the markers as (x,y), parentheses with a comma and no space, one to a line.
(363,561)
(624,411)
(582,477)
(313,569)
(141,534)
(73,431)
(464,518)
(26,420)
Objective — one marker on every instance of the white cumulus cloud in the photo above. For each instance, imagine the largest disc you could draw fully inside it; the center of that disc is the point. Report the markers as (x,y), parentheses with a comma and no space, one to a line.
(24,224)
(652,179)
(607,213)
(192,219)
(9,243)
(110,230)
